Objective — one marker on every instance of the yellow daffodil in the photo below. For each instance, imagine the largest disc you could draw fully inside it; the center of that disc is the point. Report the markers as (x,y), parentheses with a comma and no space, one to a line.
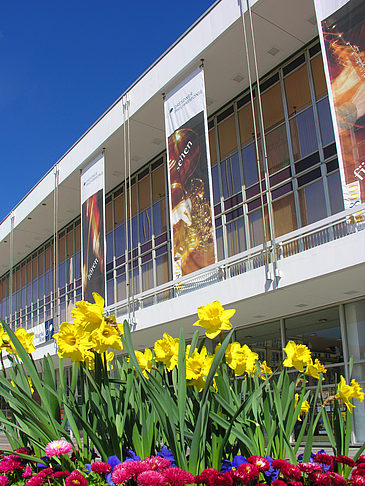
(145,361)
(304,408)
(214,318)
(29,382)
(167,351)
(264,370)
(73,342)
(315,369)
(297,356)
(197,368)
(87,315)
(25,338)
(89,360)
(106,336)
(347,392)
(241,359)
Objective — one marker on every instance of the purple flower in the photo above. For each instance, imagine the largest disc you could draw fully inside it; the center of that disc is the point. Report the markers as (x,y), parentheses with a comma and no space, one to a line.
(113,461)
(167,454)
(131,456)
(272,473)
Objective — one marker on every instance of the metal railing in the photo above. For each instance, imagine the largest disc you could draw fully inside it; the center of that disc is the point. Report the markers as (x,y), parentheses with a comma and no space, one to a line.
(324,231)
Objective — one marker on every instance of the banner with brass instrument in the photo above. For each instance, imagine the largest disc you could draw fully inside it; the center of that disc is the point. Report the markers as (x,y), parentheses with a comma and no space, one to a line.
(191,201)
(92,229)
(341,26)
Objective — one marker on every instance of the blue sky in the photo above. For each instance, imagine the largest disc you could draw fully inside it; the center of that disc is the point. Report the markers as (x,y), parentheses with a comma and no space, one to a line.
(62,65)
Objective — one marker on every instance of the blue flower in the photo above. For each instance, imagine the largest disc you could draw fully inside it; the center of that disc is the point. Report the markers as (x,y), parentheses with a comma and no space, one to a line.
(167,454)
(232,465)
(131,456)
(271,474)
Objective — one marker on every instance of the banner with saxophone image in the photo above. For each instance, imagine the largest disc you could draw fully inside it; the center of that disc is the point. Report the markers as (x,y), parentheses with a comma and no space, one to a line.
(92,229)
(341,25)
(191,202)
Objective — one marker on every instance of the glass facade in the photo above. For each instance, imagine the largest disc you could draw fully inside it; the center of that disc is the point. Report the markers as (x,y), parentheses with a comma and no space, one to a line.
(304,187)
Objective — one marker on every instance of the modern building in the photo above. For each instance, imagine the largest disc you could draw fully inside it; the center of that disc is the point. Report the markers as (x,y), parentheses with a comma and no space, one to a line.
(302,280)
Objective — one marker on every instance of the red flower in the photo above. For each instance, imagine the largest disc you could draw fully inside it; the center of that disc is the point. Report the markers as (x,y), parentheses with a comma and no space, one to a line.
(295,483)
(251,470)
(151,478)
(357,480)
(260,462)
(359,471)
(320,478)
(278,463)
(36,480)
(337,479)
(323,459)
(361,459)
(4,481)
(261,484)
(291,471)
(153,463)
(278,482)
(101,467)
(206,477)
(8,464)
(223,479)
(309,467)
(27,472)
(345,460)
(76,479)
(177,477)
(60,474)
(360,465)
(24,450)
(241,477)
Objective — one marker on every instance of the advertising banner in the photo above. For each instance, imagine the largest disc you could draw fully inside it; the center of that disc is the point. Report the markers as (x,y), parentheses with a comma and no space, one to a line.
(191,202)
(92,229)
(341,25)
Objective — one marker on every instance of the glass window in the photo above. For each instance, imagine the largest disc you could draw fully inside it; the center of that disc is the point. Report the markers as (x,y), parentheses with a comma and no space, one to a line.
(249,165)
(120,246)
(110,291)
(265,340)
(162,269)
(335,190)
(78,238)
(145,224)
(312,203)
(246,123)
(325,122)
(319,79)
(297,90)
(121,287)
(272,107)
(285,219)
(236,240)
(303,134)
(109,217)
(256,227)
(215,183)
(277,149)
(158,183)
(159,218)
(61,249)
(118,209)
(109,247)
(144,193)
(147,276)
(231,176)
(220,248)
(212,146)
(227,136)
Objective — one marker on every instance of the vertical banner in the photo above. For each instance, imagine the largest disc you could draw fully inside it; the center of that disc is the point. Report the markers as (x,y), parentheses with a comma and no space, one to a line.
(92,229)
(341,26)
(191,201)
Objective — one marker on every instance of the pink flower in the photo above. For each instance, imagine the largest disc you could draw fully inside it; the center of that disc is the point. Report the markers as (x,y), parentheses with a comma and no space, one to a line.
(295,483)
(36,480)
(360,465)
(4,480)
(120,475)
(156,463)
(76,479)
(150,478)
(101,467)
(260,462)
(27,472)
(278,463)
(175,476)
(223,479)
(323,459)
(241,477)
(309,467)
(10,465)
(58,448)
(345,460)
(321,479)
(359,471)
(291,471)
(135,468)
(361,459)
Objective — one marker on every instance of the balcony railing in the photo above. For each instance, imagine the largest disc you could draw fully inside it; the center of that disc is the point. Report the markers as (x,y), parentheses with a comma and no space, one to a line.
(324,231)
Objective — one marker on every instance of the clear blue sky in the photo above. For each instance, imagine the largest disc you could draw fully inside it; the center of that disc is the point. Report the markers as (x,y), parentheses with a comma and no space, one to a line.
(62,65)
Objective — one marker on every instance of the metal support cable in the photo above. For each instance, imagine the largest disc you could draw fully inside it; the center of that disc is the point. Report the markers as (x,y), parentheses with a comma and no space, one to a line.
(263,140)
(255,135)
(126,204)
(12,217)
(55,248)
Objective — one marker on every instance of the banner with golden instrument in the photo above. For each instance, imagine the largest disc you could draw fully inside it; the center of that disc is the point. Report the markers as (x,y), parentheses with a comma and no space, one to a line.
(191,202)
(341,25)
(92,229)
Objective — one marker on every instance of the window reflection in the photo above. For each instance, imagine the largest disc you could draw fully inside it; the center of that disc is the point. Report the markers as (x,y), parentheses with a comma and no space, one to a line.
(303,134)
(312,203)
(325,122)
